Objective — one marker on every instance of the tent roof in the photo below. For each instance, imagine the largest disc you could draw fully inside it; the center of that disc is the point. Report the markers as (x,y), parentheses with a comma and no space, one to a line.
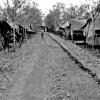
(97,26)
(26,27)
(77,24)
(97,23)
(13,25)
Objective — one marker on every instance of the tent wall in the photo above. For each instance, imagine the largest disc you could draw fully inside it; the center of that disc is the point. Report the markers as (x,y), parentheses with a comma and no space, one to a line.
(89,30)
(92,39)
(97,41)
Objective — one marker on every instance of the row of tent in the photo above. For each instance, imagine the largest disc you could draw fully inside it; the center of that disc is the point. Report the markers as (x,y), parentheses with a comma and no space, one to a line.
(14,25)
(12,33)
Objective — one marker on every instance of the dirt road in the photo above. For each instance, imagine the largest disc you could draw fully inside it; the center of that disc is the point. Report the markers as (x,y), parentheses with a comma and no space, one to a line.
(48,73)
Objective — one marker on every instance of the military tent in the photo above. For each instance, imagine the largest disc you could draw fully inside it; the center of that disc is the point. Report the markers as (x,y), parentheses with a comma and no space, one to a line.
(93,38)
(77,33)
(77,24)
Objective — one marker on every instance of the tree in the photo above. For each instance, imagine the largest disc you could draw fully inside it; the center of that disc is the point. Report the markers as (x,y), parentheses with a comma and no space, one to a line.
(21,11)
(70,13)
(51,19)
(31,16)
(54,17)
(83,10)
(12,9)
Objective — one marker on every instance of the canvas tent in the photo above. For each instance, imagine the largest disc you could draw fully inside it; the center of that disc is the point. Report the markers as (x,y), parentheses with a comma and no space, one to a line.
(93,38)
(63,26)
(77,34)
(77,24)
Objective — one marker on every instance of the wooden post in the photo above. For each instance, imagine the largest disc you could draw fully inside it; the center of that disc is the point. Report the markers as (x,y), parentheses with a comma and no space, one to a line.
(25,34)
(14,36)
(93,33)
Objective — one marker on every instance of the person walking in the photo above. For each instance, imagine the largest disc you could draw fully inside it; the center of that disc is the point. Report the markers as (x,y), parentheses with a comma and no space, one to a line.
(42,34)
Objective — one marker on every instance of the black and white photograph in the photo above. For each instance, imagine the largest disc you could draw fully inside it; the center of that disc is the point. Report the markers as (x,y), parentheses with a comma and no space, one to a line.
(49,49)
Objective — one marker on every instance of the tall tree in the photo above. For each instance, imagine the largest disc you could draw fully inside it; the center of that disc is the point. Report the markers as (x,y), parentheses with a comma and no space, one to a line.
(31,16)
(70,13)
(54,17)
(12,8)
(83,10)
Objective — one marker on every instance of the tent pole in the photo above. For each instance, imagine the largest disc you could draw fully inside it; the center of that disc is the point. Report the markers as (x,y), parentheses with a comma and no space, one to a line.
(25,34)
(14,36)
(93,34)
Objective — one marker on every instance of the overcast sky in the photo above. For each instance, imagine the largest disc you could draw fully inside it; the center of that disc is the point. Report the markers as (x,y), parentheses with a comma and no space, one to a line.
(45,5)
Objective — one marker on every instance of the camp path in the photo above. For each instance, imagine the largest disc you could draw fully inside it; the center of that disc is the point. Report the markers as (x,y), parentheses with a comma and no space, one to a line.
(48,73)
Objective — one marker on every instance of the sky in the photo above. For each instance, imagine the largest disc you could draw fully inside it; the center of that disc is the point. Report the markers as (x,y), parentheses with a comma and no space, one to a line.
(46,5)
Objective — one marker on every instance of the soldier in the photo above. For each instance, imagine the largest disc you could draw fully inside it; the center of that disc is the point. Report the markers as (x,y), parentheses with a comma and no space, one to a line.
(42,33)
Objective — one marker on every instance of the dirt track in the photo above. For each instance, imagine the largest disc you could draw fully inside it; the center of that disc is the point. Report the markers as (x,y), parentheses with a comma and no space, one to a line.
(47,73)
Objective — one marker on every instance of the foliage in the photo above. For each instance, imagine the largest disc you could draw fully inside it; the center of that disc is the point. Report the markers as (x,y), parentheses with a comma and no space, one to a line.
(94,8)
(54,17)
(83,10)
(22,12)
(72,11)
(11,9)
(31,16)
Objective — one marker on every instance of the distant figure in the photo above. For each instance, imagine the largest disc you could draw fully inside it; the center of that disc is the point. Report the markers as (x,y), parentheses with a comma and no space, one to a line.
(31,27)
(42,33)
